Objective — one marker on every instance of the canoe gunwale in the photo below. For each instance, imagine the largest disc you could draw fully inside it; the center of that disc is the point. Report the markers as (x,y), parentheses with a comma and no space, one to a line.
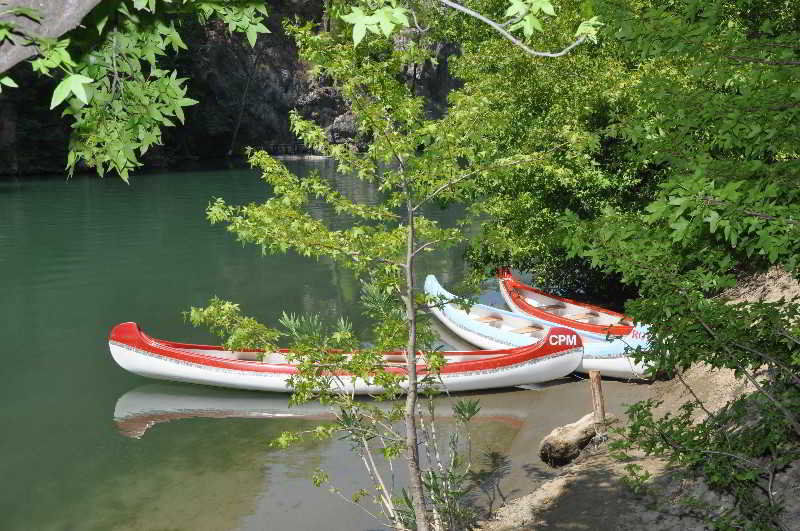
(509,287)
(130,337)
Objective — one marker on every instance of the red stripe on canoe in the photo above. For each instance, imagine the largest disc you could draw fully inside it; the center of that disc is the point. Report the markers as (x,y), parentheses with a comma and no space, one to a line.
(558,340)
(513,286)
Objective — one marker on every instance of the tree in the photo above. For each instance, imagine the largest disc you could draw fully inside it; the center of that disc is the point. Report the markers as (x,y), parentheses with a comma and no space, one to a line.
(675,172)
(119,98)
(116,91)
(22,21)
(413,160)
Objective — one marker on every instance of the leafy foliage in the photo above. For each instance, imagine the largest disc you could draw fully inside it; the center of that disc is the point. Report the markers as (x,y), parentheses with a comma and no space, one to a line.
(412,162)
(116,93)
(677,145)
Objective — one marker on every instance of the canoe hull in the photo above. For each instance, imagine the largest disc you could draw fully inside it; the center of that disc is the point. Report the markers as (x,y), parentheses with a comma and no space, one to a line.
(140,354)
(599,352)
(633,334)
(152,365)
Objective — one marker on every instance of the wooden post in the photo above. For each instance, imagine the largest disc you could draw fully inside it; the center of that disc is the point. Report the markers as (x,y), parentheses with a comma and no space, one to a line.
(598,402)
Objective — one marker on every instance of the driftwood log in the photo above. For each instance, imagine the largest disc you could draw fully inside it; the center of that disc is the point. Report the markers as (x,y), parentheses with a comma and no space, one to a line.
(565,443)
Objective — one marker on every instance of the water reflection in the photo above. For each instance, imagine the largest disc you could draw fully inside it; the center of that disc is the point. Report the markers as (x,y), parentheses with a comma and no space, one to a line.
(148,405)
(78,257)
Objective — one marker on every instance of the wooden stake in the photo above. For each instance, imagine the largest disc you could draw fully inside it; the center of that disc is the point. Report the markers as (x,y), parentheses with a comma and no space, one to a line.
(598,402)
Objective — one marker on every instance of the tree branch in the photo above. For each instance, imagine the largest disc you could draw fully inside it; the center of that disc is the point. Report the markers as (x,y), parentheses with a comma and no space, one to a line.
(58,17)
(675,446)
(424,246)
(746,59)
(457,180)
(502,31)
(786,412)
(761,215)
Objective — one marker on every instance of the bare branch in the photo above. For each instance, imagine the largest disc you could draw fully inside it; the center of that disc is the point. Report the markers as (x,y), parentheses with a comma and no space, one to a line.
(761,215)
(675,446)
(502,31)
(696,398)
(416,23)
(424,246)
(745,59)
(355,255)
(457,180)
(786,412)
(770,359)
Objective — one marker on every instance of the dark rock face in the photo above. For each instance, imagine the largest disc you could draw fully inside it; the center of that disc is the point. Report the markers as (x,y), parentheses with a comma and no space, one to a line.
(33,139)
(323,104)
(433,81)
(245,97)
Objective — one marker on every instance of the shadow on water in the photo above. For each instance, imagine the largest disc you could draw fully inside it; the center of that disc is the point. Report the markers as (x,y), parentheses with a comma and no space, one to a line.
(492,467)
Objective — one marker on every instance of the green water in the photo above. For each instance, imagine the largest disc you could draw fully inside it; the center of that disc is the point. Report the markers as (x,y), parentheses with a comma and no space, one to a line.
(78,257)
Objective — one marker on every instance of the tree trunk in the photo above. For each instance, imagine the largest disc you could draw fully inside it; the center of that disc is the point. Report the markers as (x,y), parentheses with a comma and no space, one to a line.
(250,75)
(58,17)
(412,448)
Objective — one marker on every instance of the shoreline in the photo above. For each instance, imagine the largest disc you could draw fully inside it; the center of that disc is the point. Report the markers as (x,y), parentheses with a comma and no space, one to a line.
(591,492)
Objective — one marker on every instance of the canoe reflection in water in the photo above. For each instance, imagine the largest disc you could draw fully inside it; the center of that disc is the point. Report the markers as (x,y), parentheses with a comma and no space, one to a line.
(143,407)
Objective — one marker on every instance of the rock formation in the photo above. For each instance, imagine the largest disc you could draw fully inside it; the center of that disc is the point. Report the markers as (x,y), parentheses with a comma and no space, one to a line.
(245,97)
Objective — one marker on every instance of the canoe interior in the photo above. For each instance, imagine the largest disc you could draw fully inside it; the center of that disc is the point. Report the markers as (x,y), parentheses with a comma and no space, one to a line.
(506,322)
(280,357)
(568,310)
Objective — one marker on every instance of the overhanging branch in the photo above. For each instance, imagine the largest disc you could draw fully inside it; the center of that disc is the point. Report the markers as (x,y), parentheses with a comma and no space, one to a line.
(502,31)
(58,17)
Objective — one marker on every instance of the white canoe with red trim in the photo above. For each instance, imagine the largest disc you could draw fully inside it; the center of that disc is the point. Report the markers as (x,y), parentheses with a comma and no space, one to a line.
(491,328)
(557,354)
(551,310)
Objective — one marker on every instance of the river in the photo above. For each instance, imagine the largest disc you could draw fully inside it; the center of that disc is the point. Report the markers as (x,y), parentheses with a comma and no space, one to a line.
(86,445)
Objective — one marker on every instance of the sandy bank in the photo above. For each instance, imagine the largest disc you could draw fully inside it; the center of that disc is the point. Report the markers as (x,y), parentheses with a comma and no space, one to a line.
(591,493)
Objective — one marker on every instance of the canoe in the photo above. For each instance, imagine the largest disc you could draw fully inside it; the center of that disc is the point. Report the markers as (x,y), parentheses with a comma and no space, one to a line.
(148,405)
(555,355)
(585,318)
(491,328)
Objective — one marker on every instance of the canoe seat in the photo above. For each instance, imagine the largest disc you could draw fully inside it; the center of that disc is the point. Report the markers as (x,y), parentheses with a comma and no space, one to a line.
(579,316)
(527,329)
(488,319)
(551,307)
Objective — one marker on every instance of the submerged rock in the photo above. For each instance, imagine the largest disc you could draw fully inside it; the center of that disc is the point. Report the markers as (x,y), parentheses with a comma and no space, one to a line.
(565,443)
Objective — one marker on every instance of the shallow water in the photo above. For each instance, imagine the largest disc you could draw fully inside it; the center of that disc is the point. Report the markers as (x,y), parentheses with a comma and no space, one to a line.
(78,257)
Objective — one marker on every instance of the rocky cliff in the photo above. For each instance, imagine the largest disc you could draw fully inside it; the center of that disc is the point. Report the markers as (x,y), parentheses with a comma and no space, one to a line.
(245,97)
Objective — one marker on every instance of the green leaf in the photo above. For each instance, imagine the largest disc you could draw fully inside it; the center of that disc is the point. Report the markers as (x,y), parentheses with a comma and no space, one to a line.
(359,30)
(385,22)
(356,16)
(517,9)
(101,24)
(252,36)
(60,93)
(7,81)
(713,220)
(76,86)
